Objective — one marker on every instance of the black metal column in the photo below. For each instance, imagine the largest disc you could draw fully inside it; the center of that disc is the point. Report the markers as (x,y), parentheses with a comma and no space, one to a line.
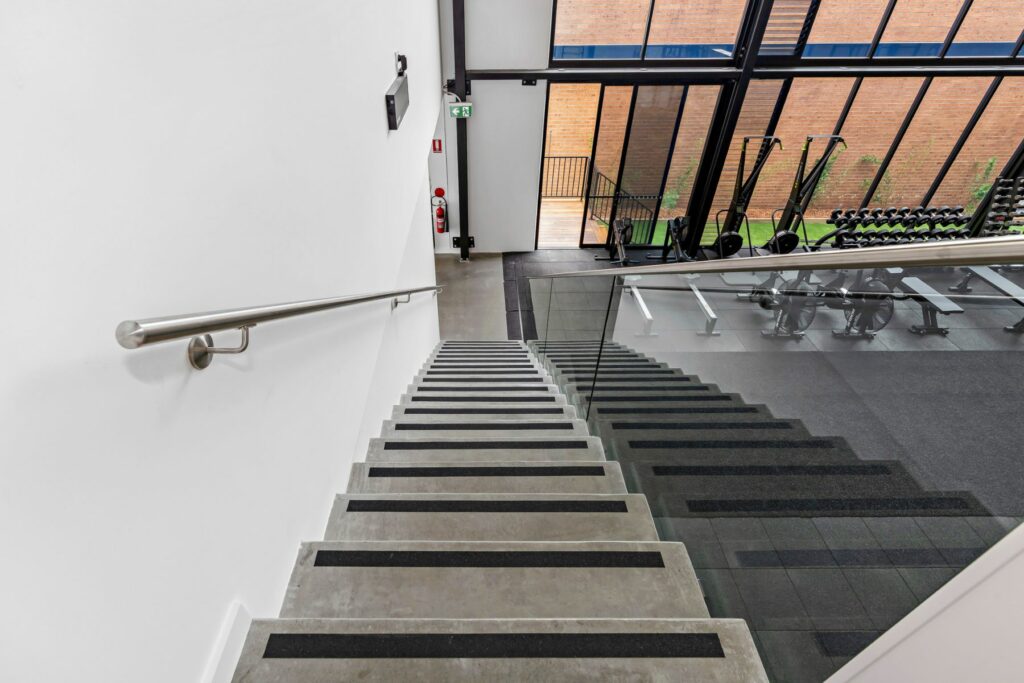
(724,120)
(461,137)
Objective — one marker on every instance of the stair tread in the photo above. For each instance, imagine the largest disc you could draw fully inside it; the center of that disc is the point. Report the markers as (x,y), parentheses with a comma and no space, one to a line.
(714,650)
(544,517)
(496,580)
(594,476)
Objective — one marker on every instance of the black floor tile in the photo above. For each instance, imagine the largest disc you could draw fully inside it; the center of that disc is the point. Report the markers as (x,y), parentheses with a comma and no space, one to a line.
(883,593)
(770,599)
(828,599)
(923,581)
(794,656)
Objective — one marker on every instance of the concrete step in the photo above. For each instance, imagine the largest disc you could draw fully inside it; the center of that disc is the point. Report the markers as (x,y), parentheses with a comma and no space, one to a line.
(614,432)
(612,399)
(481,372)
(473,398)
(458,428)
(597,476)
(809,504)
(604,373)
(643,387)
(498,380)
(687,411)
(485,388)
(605,364)
(457,651)
(452,580)
(484,412)
(490,517)
(490,449)
(730,451)
(825,480)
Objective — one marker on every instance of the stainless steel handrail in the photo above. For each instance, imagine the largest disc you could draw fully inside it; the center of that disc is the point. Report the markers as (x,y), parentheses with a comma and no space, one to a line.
(974,252)
(133,334)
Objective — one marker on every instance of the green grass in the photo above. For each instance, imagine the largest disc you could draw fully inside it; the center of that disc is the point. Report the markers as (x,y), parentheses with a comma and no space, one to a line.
(760,232)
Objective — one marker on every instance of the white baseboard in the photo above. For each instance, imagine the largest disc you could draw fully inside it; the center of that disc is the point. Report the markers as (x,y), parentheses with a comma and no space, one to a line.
(228,646)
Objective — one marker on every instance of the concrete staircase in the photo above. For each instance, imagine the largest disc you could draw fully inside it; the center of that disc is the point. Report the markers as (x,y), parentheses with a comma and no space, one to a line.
(487,537)
(817,550)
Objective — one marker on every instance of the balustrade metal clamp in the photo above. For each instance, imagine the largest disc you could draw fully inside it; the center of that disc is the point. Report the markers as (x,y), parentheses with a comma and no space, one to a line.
(201,349)
(397,300)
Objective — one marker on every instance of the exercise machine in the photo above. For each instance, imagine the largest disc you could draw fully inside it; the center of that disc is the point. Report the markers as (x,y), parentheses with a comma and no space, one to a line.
(620,237)
(784,233)
(728,240)
(678,232)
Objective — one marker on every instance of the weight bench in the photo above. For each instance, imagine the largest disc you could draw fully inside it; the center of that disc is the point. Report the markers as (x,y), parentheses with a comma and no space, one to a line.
(996,282)
(932,303)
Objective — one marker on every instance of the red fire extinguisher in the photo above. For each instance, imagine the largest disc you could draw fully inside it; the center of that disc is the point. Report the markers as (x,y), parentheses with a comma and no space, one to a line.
(440,205)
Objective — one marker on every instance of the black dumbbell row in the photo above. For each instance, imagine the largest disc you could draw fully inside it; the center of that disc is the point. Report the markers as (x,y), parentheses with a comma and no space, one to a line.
(1006,212)
(857,228)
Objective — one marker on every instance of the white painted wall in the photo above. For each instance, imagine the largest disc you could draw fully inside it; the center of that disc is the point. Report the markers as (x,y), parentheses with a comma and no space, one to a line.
(506,142)
(506,132)
(508,34)
(968,630)
(169,157)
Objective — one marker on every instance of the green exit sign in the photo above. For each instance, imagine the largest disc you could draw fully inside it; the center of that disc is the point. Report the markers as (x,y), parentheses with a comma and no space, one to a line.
(460,110)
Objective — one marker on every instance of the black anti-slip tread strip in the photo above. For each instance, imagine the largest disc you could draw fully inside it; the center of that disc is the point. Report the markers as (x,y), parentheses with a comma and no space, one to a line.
(612,398)
(485,399)
(477,372)
(483,411)
(768,470)
(687,410)
(492,645)
(700,425)
(638,387)
(470,426)
(480,445)
(489,558)
(414,505)
(544,388)
(810,504)
(452,380)
(604,379)
(490,471)
(460,366)
(736,443)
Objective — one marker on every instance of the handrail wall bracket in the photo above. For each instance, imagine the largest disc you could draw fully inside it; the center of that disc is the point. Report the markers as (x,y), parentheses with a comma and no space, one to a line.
(201,348)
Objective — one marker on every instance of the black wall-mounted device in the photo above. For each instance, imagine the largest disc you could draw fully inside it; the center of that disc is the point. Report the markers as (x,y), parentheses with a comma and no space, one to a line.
(396,100)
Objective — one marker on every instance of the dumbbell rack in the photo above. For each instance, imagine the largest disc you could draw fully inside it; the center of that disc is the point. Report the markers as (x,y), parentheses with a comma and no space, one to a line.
(1006,213)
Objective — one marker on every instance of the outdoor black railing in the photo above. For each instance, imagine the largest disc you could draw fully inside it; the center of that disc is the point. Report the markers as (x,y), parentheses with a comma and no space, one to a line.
(638,208)
(565,177)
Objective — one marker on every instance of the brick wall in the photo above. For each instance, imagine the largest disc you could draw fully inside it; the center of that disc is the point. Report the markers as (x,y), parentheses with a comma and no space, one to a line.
(988,148)
(572,112)
(757,110)
(921,21)
(686,21)
(812,108)
(839,21)
(601,22)
(614,114)
(992,20)
(693,133)
(944,112)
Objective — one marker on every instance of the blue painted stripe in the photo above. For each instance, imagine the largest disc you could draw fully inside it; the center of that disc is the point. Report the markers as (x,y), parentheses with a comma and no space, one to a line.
(818,50)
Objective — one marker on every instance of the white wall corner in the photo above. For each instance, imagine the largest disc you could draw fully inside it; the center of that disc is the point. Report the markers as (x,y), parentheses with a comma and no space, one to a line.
(228,647)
